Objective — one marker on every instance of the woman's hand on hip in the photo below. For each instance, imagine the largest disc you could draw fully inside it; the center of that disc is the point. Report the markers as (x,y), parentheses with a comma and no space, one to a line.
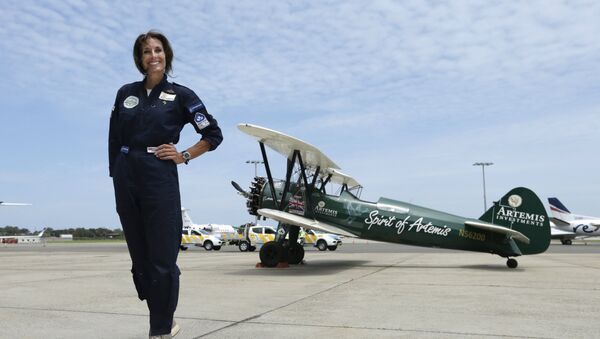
(169,152)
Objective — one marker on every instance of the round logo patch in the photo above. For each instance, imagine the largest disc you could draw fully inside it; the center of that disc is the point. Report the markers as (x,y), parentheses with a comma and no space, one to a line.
(131,101)
(515,201)
(321,204)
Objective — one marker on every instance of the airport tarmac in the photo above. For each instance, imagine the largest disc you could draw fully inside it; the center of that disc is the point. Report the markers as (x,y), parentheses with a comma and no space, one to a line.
(362,290)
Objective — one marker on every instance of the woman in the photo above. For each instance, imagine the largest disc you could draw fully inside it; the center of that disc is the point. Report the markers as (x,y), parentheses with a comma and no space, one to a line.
(145,123)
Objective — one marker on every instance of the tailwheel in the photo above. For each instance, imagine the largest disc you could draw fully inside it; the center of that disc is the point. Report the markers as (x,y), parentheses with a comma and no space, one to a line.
(296,254)
(512,263)
(271,254)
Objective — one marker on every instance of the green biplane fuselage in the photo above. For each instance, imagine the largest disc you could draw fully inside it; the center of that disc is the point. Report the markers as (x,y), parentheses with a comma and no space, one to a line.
(399,222)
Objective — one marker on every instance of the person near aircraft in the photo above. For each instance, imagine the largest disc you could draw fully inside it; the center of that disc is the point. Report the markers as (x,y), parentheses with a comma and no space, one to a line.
(145,125)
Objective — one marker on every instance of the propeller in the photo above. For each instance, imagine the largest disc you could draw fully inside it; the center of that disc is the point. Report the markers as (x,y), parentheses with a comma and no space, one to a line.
(240,189)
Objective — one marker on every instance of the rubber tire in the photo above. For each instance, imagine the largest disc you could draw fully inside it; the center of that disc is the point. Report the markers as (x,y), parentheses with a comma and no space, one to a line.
(244,246)
(271,253)
(252,248)
(296,254)
(512,263)
(208,245)
(332,248)
(321,245)
(216,248)
(566,242)
(183,248)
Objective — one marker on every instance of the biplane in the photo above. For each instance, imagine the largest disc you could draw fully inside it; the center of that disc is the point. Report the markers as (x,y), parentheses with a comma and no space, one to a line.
(515,225)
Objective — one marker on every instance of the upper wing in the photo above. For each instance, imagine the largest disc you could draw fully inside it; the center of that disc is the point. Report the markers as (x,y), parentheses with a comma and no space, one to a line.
(341,178)
(311,156)
(286,145)
(498,229)
(297,220)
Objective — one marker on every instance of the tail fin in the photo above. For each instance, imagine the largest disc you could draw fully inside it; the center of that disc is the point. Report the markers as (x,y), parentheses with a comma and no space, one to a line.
(187,221)
(558,210)
(521,210)
(42,233)
(556,205)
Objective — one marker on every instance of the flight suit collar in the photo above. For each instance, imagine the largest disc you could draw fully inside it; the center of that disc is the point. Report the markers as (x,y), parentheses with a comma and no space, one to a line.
(157,89)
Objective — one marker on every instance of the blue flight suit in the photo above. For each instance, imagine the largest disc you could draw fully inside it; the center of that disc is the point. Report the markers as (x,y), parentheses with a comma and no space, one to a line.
(147,188)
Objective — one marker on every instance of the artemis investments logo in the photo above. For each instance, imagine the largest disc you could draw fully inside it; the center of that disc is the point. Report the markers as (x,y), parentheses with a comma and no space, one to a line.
(321,209)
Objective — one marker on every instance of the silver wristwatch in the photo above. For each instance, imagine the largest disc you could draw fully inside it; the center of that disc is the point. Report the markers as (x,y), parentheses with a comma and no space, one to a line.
(186,157)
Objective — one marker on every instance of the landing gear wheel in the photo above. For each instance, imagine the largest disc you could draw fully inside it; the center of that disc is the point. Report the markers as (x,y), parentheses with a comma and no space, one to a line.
(512,263)
(244,246)
(216,248)
(566,242)
(322,245)
(183,248)
(296,254)
(332,248)
(252,248)
(208,245)
(271,253)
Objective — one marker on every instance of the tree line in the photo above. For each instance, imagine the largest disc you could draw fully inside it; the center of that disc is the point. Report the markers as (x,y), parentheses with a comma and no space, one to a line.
(78,233)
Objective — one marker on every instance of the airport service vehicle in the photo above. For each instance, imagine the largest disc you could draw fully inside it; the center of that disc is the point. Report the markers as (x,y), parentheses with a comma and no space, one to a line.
(322,241)
(256,237)
(568,226)
(201,238)
(516,224)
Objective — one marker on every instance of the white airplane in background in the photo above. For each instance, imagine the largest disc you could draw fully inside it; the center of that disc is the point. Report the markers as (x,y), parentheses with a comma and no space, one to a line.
(2,203)
(568,226)
(23,239)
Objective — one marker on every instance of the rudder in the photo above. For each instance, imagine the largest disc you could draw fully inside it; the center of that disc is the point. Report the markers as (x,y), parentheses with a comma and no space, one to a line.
(521,210)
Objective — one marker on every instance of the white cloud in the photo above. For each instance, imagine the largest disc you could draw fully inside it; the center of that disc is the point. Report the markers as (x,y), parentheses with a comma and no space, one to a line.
(407,83)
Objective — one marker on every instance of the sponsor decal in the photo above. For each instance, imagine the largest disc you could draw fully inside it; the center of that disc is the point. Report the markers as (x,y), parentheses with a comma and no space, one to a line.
(131,101)
(405,224)
(321,209)
(515,201)
(512,215)
(196,107)
(201,120)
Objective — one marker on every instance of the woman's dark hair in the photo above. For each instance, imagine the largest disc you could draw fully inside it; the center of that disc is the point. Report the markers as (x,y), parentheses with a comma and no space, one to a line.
(138,49)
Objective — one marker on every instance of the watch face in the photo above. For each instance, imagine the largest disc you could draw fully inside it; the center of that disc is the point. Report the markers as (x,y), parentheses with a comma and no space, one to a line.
(186,155)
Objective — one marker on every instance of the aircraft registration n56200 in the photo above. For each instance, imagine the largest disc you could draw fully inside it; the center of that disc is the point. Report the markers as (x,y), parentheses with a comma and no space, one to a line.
(515,225)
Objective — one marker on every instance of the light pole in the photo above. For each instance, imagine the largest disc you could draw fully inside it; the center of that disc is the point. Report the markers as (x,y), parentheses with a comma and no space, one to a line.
(255,162)
(483,164)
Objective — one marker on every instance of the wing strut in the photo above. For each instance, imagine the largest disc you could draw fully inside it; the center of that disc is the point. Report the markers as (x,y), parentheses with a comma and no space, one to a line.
(288,178)
(268,170)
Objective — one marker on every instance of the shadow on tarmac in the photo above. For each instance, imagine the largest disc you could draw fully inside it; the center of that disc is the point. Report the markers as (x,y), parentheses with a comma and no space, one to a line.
(321,267)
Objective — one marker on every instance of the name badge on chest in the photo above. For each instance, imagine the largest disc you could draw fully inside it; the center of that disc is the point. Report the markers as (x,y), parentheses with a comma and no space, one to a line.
(166,96)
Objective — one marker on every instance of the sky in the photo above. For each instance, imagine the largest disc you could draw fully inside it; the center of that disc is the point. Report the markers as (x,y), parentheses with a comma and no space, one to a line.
(403,95)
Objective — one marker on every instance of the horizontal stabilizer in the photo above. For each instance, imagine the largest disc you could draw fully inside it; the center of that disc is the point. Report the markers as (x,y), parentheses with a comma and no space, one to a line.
(498,229)
(296,220)
(559,222)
